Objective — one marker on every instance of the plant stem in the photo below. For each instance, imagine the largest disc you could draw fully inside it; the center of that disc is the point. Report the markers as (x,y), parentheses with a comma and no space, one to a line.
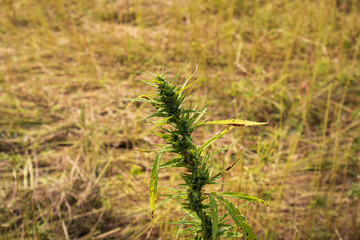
(177,125)
(182,144)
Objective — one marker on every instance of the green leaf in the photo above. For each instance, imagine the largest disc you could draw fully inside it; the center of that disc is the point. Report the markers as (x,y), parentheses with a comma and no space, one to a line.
(142,98)
(176,162)
(214,216)
(243,196)
(231,209)
(145,150)
(198,117)
(236,122)
(174,81)
(221,150)
(153,185)
(152,74)
(151,83)
(166,200)
(174,189)
(238,218)
(161,135)
(180,226)
(139,99)
(189,139)
(192,85)
(213,139)
(219,174)
(158,123)
(187,80)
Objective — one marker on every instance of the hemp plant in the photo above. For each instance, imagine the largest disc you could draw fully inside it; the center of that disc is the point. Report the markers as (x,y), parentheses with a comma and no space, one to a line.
(175,123)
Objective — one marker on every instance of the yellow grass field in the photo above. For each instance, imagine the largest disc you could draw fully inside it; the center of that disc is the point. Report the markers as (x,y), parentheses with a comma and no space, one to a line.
(69,165)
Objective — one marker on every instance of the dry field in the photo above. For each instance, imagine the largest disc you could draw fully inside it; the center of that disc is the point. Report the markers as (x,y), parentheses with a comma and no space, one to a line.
(69,168)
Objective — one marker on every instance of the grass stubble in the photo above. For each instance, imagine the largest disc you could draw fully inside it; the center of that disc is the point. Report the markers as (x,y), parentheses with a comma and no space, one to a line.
(68,165)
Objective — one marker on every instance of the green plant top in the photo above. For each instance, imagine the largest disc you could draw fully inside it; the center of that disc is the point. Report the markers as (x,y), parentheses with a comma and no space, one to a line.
(176,123)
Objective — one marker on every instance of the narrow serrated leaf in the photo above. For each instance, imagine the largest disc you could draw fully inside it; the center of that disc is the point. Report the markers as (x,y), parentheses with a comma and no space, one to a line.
(173,189)
(243,196)
(187,80)
(198,117)
(219,174)
(151,83)
(176,162)
(152,74)
(138,99)
(166,200)
(231,209)
(213,139)
(180,226)
(189,140)
(238,218)
(174,81)
(209,156)
(146,150)
(214,216)
(236,122)
(153,185)
(191,86)
(142,98)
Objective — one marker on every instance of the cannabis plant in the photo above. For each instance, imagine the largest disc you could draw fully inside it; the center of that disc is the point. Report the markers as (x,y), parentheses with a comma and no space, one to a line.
(175,122)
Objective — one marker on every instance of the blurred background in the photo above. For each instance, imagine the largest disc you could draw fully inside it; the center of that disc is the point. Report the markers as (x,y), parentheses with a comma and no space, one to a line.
(69,168)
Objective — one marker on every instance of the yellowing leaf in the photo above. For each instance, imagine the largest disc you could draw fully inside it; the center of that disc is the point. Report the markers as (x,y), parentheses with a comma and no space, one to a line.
(236,122)
(244,196)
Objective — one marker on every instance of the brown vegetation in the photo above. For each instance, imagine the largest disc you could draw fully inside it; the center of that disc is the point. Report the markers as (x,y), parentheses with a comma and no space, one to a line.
(68,165)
